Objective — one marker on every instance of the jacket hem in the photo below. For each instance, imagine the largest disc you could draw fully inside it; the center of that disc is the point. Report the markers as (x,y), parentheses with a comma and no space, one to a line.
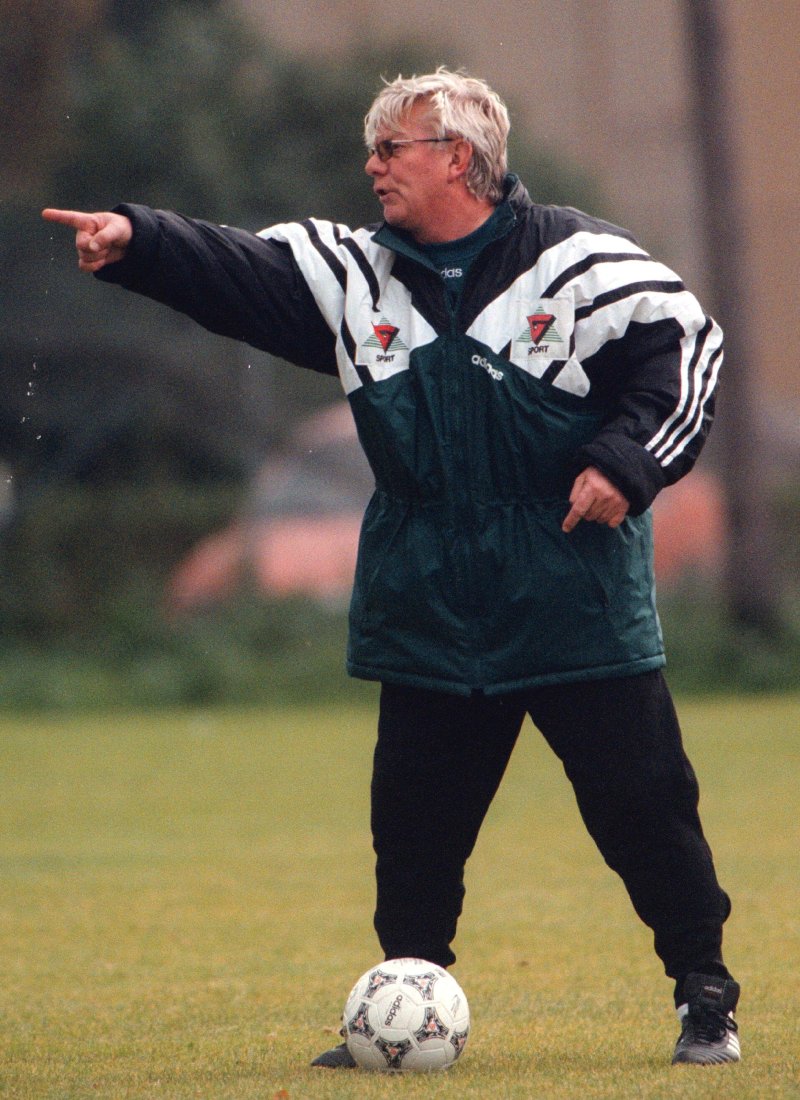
(566,676)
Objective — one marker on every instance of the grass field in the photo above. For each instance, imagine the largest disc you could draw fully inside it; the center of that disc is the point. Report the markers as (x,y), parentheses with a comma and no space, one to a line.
(186,900)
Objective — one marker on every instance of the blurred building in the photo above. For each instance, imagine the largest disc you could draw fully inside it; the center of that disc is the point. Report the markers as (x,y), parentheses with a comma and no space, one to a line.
(298,533)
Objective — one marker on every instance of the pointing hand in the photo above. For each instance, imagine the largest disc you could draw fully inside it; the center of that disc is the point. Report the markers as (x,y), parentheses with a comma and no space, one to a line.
(100,238)
(596,499)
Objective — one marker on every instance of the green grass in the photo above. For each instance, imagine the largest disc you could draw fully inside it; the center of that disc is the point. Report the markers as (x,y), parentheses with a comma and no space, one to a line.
(186,900)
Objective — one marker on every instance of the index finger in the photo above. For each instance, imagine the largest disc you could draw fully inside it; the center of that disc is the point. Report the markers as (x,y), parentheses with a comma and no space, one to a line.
(76,219)
(572,519)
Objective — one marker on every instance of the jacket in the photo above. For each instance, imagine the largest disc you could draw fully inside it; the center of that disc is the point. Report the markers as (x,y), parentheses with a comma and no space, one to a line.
(569,347)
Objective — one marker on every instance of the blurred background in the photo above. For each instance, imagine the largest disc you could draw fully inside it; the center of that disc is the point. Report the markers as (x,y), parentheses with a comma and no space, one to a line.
(178,512)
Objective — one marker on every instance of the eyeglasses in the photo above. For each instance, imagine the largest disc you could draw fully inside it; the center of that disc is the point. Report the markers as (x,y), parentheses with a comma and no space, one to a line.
(385,150)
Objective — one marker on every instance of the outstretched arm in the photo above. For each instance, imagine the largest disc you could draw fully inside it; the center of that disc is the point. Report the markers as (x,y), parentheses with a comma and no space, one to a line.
(100,238)
(233,282)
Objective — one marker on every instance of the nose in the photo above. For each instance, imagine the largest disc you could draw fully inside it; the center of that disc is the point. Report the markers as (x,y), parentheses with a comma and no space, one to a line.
(374,166)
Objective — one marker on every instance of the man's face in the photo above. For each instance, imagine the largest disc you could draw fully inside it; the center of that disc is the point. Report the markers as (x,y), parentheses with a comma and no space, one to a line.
(412,186)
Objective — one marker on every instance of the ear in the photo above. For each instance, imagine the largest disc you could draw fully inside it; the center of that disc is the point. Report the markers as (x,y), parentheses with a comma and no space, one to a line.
(460,156)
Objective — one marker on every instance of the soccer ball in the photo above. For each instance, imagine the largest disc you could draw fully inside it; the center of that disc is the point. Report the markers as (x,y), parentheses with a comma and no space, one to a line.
(406,1015)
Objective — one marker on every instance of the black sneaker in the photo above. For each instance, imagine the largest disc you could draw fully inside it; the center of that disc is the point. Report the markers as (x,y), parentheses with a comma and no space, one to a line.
(709,1033)
(336,1058)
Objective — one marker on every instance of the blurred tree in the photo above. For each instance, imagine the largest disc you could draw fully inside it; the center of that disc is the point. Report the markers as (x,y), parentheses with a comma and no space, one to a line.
(751,575)
(179,104)
(35,47)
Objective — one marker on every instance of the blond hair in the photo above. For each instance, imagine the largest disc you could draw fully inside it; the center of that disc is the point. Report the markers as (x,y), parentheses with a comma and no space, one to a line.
(459,106)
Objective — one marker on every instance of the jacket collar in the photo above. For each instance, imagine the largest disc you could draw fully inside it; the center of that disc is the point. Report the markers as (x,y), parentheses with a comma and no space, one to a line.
(514,204)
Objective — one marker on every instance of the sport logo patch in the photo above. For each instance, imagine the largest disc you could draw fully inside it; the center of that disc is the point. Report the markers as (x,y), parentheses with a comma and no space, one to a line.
(542,336)
(543,345)
(385,336)
(386,333)
(540,324)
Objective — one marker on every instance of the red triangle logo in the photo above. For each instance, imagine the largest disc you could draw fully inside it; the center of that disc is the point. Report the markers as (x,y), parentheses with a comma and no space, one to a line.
(386,333)
(539,324)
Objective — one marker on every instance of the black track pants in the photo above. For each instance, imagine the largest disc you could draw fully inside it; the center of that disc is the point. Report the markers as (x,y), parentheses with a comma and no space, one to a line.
(440,758)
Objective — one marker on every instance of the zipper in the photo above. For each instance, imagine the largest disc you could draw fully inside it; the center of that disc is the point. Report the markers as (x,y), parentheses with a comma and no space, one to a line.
(461,461)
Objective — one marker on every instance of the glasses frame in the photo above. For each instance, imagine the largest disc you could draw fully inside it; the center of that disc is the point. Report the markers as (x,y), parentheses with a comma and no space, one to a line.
(385,150)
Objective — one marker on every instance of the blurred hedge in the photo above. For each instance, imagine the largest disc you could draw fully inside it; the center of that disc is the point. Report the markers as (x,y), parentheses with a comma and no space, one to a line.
(83,621)
(249,652)
(253,652)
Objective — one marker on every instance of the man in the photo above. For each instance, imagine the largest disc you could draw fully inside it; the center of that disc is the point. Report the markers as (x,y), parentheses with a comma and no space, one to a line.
(524,380)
